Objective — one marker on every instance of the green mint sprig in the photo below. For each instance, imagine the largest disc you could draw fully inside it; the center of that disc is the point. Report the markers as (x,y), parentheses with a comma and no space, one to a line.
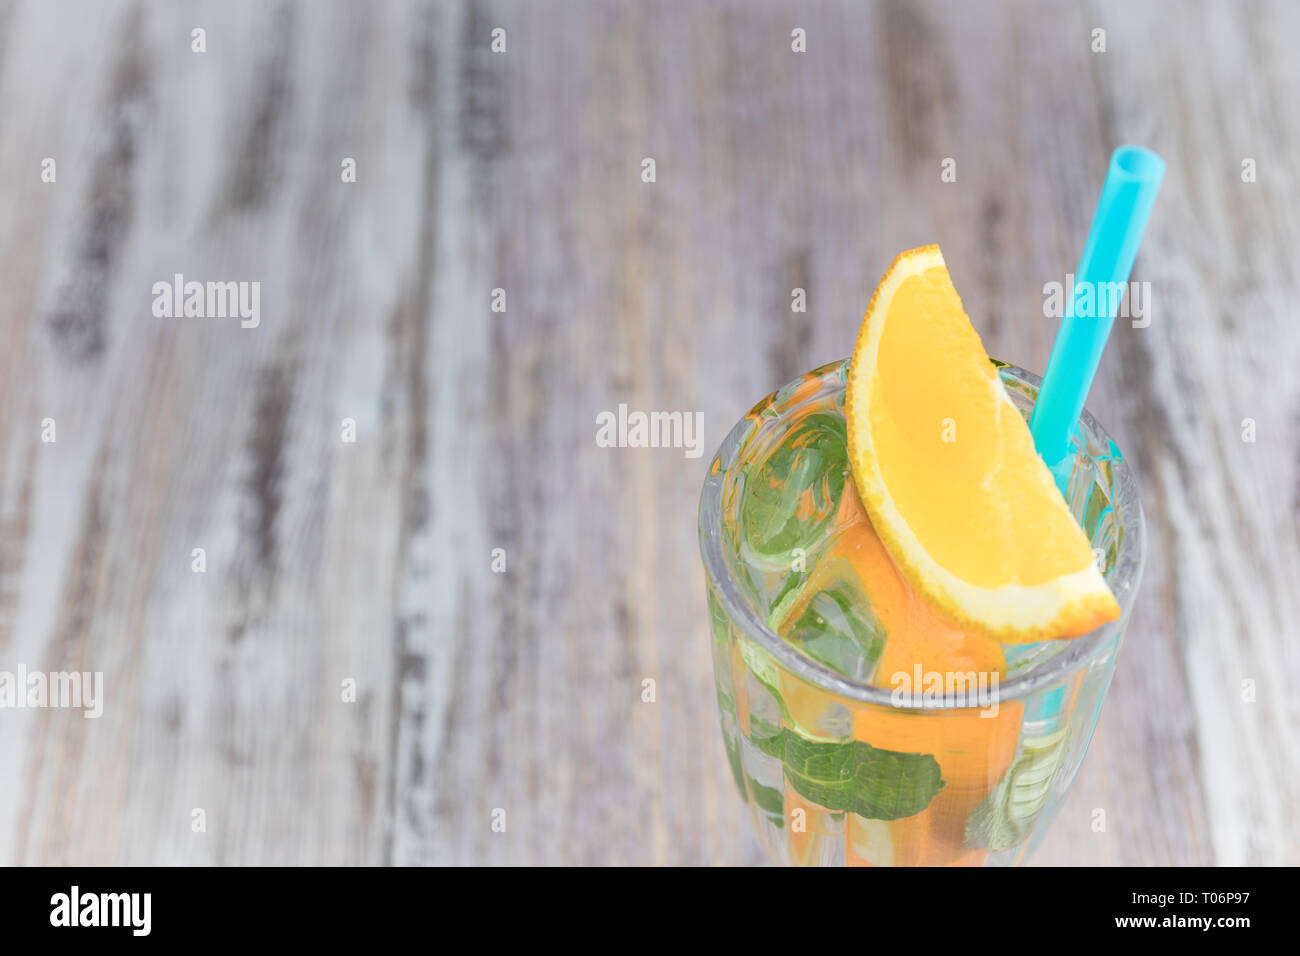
(1005,817)
(854,776)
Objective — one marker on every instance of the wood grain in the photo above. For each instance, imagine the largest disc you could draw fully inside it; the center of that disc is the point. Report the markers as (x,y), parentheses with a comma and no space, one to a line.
(332,561)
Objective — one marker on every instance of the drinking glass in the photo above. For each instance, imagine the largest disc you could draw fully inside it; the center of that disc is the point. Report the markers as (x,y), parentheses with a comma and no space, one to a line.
(805,739)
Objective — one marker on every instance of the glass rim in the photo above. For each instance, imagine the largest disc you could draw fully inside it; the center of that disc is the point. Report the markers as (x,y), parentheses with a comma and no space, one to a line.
(1079,653)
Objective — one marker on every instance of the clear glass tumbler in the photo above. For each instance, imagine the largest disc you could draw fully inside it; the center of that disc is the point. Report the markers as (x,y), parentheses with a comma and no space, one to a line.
(807,743)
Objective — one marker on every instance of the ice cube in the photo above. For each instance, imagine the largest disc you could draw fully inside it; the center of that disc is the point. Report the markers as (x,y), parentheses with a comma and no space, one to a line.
(792,493)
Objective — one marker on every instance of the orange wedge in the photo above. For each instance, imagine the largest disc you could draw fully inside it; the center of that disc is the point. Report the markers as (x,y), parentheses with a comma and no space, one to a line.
(946,469)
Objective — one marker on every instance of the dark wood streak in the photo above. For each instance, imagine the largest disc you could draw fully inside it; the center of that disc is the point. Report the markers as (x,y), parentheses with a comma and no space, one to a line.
(268,434)
(255,172)
(788,352)
(77,315)
(992,218)
(918,77)
(446,783)
(481,123)
(420,85)
(13,544)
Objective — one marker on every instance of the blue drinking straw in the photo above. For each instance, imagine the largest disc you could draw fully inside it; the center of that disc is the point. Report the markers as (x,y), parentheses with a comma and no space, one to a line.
(1125,205)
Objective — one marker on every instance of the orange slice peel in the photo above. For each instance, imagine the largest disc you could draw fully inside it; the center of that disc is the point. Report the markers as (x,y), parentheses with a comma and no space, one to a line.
(946,469)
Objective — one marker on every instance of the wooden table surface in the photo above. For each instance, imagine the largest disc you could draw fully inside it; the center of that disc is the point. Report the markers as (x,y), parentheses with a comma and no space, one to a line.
(369,564)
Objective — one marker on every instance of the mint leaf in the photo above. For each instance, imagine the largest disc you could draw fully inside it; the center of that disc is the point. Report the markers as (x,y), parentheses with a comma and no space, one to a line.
(1004,818)
(989,825)
(768,799)
(734,758)
(856,777)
